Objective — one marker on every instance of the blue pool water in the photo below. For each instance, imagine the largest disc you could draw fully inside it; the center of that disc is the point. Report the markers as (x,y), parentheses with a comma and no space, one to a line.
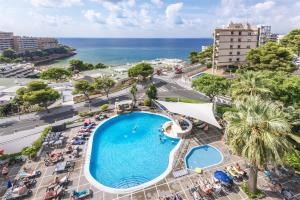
(198,75)
(127,151)
(202,157)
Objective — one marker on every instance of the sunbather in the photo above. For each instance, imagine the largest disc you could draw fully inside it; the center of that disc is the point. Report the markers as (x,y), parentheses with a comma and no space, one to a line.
(238,169)
(19,190)
(5,170)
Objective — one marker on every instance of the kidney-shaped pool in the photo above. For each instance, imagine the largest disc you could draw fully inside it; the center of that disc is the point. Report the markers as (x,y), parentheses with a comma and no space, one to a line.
(128,152)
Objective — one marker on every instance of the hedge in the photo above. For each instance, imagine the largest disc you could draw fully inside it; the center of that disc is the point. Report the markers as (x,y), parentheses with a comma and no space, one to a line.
(184,100)
(32,150)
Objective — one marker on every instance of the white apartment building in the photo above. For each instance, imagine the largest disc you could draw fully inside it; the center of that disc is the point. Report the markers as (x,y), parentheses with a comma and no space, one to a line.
(232,43)
(6,40)
(47,43)
(22,44)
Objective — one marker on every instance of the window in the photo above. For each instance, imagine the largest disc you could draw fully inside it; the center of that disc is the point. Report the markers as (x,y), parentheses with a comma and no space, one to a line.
(230,53)
(240,33)
(232,33)
(231,46)
(249,33)
(239,46)
(238,59)
(248,46)
(239,40)
(249,40)
(230,59)
(238,53)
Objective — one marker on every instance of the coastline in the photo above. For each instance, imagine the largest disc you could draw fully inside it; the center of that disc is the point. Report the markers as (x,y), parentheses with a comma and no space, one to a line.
(52,58)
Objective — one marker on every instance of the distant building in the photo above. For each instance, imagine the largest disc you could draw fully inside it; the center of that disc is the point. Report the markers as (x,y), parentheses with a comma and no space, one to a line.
(23,43)
(47,43)
(232,43)
(264,34)
(6,40)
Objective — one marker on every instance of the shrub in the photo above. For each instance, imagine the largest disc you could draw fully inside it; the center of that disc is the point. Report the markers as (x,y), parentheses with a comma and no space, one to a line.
(32,150)
(221,109)
(104,107)
(294,160)
(184,100)
(257,195)
(147,102)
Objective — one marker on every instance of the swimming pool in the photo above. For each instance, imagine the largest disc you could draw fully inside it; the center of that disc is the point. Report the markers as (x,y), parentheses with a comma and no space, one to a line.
(126,153)
(202,157)
(197,75)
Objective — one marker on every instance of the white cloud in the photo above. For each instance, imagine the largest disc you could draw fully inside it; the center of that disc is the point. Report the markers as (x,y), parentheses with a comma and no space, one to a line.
(52,20)
(94,16)
(157,2)
(172,13)
(55,3)
(264,6)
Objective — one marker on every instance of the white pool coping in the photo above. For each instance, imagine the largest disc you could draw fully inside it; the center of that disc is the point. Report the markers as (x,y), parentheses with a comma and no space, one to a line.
(99,186)
(196,147)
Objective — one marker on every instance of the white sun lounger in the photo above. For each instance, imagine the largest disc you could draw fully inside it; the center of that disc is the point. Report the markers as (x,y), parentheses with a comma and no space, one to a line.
(180,173)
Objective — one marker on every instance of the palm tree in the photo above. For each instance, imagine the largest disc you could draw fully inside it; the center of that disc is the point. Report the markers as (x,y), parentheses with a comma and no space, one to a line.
(249,83)
(258,132)
(133,92)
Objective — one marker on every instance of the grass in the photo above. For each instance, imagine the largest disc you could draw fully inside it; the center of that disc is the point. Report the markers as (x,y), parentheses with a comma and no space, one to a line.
(257,195)
(184,100)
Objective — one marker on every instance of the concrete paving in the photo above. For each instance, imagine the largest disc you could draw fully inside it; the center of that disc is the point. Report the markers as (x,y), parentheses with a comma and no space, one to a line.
(168,186)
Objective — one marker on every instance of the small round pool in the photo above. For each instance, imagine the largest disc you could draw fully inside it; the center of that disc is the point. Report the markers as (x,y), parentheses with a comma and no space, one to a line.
(202,157)
(128,152)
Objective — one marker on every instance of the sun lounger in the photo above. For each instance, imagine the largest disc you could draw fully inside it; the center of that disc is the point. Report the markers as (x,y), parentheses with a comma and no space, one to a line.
(180,173)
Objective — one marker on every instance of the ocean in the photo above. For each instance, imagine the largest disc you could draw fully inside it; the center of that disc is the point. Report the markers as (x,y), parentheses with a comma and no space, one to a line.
(117,51)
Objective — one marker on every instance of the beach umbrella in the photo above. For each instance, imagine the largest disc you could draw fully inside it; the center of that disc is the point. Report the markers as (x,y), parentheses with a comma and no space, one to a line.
(222,176)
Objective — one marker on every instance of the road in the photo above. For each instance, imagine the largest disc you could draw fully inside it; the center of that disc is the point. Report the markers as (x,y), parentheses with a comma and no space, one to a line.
(166,88)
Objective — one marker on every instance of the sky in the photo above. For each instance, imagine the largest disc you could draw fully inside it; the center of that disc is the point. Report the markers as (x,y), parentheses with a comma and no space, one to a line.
(142,18)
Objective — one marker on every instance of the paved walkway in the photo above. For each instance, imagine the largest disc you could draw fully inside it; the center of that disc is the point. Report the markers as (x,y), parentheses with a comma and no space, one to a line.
(14,143)
(159,190)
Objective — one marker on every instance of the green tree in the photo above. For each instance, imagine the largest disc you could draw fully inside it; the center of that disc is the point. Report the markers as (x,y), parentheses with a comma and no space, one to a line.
(133,92)
(292,40)
(42,97)
(85,88)
(206,55)
(55,74)
(104,83)
(151,92)
(271,56)
(100,66)
(249,83)
(141,70)
(285,87)
(9,53)
(37,93)
(257,132)
(211,85)
(76,65)
(35,86)
(193,57)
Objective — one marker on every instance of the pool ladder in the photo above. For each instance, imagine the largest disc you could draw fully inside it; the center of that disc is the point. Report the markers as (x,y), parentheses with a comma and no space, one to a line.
(131,181)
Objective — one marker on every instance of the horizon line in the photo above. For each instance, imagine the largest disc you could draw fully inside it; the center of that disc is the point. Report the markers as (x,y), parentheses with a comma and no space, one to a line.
(133,38)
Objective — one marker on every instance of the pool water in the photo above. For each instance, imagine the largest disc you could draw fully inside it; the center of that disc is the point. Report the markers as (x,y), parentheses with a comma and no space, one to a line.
(202,157)
(198,75)
(127,150)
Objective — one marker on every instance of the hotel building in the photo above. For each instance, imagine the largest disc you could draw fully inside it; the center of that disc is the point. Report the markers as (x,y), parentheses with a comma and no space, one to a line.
(23,43)
(6,40)
(232,43)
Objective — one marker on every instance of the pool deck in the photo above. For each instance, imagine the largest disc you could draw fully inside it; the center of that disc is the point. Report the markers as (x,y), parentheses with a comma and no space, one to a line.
(161,189)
